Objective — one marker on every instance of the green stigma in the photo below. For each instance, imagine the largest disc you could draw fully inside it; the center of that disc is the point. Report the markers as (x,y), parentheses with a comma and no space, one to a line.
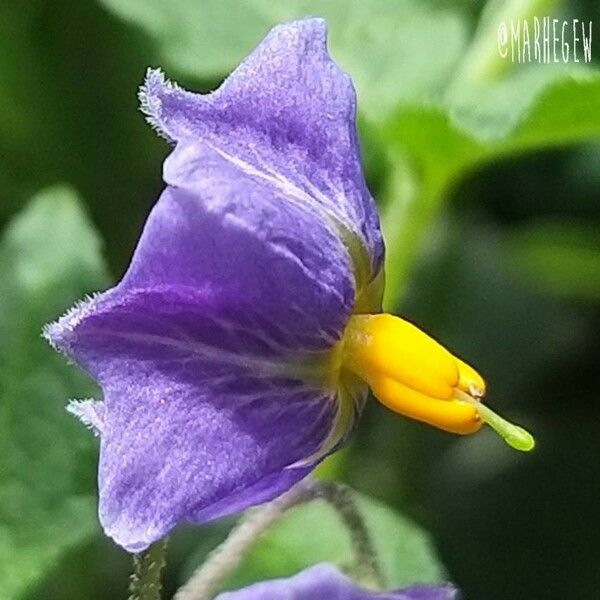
(516,437)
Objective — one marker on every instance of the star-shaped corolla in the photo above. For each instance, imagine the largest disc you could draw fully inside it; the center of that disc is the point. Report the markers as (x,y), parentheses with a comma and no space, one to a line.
(324,582)
(237,350)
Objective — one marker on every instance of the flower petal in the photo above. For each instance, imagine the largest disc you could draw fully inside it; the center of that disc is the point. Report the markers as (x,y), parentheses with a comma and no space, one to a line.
(234,232)
(89,412)
(326,582)
(193,426)
(287,114)
(215,351)
(206,353)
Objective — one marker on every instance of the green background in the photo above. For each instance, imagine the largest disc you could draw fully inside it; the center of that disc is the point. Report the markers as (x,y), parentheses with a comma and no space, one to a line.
(488,178)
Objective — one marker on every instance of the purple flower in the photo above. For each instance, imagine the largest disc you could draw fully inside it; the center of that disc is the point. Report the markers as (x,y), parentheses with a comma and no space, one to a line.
(324,582)
(214,352)
(237,350)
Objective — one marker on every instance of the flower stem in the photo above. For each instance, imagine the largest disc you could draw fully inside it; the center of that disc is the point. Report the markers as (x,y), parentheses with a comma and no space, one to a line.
(225,559)
(144,583)
(366,567)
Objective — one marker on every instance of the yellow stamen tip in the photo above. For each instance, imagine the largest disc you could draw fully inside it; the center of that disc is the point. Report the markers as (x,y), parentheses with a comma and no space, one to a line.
(469,380)
(413,375)
(454,416)
(386,346)
(410,373)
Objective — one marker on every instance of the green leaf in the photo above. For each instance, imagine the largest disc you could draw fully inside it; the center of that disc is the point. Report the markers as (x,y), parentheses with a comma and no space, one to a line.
(49,257)
(385,45)
(565,110)
(313,533)
(530,109)
(437,144)
(559,257)
(489,109)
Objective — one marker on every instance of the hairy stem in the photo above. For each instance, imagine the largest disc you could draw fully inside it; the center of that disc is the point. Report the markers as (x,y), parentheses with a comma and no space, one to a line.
(366,566)
(144,583)
(223,561)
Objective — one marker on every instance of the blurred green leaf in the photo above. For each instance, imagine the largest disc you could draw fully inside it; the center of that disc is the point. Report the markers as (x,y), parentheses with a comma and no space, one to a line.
(565,111)
(559,257)
(531,109)
(67,72)
(385,45)
(436,149)
(489,109)
(313,533)
(49,257)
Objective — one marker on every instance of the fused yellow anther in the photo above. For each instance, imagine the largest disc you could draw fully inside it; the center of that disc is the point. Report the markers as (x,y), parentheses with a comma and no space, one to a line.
(384,345)
(412,374)
(454,416)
